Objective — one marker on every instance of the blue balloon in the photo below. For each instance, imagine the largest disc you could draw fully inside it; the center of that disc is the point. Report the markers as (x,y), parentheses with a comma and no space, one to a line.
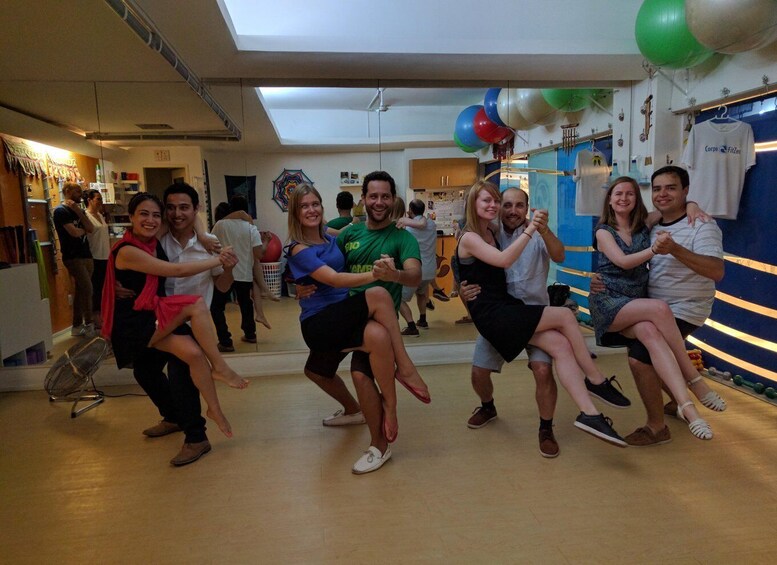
(490,104)
(465,128)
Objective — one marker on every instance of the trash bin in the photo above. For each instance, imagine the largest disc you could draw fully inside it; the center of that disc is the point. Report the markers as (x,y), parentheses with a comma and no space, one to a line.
(272,276)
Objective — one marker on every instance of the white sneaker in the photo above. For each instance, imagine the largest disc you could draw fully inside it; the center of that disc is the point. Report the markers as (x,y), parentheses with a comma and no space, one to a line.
(372,460)
(77,331)
(339,418)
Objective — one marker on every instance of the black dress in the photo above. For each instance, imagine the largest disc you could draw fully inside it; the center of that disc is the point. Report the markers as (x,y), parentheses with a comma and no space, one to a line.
(505,321)
(132,329)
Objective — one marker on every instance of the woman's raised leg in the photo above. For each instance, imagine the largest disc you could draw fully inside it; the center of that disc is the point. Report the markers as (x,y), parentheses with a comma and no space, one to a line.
(205,333)
(381,309)
(256,294)
(378,345)
(187,350)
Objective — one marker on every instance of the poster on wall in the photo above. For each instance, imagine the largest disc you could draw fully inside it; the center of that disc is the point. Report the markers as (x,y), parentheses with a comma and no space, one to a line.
(284,185)
(243,186)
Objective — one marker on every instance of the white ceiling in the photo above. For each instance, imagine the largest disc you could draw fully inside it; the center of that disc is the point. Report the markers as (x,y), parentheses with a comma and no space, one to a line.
(78,65)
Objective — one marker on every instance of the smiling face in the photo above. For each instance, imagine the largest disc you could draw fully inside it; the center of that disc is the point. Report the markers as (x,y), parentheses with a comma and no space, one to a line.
(378,203)
(180,213)
(515,206)
(146,220)
(669,197)
(487,206)
(623,198)
(310,213)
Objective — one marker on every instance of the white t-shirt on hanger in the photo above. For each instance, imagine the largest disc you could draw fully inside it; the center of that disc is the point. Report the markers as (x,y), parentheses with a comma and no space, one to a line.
(591,174)
(717,156)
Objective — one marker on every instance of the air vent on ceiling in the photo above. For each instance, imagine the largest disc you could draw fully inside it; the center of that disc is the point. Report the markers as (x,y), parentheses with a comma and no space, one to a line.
(154,126)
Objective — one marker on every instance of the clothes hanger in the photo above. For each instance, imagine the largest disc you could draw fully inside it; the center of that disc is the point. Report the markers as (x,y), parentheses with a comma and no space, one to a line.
(722,116)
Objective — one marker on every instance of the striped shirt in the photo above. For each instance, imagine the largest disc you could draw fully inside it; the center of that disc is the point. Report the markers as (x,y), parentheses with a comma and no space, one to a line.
(689,295)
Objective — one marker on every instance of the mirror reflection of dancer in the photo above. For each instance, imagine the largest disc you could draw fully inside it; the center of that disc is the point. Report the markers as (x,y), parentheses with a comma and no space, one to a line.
(153,320)
(333,322)
(623,242)
(509,324)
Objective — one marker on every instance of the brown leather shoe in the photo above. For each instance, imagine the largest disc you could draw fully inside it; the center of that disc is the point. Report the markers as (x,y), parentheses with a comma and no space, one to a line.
(548,446)
(190,452)
(162,429)
(670,408)
(644,437)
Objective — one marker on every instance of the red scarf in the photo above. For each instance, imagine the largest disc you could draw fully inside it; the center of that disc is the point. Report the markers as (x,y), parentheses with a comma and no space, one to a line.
(165,307)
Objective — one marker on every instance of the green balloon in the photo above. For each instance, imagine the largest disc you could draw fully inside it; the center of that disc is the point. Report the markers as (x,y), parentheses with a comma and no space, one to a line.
(465,148)
(568,99)
(663,36)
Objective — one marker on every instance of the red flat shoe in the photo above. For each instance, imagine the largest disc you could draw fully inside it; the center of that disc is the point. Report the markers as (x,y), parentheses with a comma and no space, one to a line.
(418,393)
(389,438)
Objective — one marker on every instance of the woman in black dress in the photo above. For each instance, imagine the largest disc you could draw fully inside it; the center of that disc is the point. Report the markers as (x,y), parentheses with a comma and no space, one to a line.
(509,324)
(150,319)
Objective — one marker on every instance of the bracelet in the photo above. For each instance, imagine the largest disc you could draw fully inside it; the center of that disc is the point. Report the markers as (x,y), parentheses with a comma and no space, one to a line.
(653,250)
(527,234)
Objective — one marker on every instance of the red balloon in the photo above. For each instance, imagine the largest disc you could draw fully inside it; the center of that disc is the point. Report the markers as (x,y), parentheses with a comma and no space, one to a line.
(272,252)
(487,130)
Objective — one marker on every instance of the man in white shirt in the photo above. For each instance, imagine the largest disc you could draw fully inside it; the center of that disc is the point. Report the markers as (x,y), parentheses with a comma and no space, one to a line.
(244,238)
(527,279)
(425,232)
(182,246)
(688,263)
(174,394)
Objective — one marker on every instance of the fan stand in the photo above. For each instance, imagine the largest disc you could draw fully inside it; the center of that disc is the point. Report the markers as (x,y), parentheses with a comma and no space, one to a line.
(96,397)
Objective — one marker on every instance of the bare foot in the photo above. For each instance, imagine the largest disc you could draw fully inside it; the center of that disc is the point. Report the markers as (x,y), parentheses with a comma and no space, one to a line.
(230,377)
(264,322)
(390,423)
(221,421)
(270,296)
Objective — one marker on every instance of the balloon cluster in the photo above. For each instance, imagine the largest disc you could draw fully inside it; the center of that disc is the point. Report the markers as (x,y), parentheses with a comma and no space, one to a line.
(685,33)
(505,110)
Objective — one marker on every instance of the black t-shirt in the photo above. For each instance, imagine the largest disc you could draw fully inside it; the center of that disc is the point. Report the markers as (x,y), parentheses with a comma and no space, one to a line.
(71,247)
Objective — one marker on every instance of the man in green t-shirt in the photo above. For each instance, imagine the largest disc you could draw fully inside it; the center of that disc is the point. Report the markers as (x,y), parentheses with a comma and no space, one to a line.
(375,242)
(344,204)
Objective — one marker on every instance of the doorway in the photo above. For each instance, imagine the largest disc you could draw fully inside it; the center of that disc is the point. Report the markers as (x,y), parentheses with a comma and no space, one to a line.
(159,178)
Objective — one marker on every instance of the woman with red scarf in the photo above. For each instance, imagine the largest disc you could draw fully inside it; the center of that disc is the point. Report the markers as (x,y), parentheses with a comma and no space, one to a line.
(139,263)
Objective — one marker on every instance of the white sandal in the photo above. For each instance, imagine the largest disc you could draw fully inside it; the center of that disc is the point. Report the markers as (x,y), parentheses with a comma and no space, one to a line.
(712,399)
(699,428)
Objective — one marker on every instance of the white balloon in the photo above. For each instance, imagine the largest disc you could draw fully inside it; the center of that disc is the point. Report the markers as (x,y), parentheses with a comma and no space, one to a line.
(533,107)
(728,26)
(506,107)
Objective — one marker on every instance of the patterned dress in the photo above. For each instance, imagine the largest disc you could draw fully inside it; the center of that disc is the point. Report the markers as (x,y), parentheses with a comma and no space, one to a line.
(623,286)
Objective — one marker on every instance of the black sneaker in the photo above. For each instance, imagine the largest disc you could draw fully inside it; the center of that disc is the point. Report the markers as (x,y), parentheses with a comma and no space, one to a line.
(480,417)
(429,305)
(411,331)
(440,295)
(422,324)
(601,427)
(608,393)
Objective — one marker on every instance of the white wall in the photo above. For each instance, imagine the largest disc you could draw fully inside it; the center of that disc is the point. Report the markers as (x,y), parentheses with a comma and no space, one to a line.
(135,159)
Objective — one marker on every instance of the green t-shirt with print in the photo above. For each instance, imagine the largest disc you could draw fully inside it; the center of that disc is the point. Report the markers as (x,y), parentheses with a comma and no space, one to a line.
(339,223)
(362,247)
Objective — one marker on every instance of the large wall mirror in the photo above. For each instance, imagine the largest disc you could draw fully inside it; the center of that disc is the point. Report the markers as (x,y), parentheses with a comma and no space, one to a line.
(243,136)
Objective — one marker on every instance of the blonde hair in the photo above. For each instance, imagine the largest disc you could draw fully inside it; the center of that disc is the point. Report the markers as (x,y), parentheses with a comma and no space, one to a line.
(473,223)
(295,227)
(398,210)
(638,214)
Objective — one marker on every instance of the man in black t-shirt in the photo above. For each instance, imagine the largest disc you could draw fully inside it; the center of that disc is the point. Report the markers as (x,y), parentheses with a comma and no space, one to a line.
(72,226)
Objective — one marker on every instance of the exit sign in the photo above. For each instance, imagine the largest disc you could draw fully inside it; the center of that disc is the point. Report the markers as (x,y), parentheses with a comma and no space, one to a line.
(162,155)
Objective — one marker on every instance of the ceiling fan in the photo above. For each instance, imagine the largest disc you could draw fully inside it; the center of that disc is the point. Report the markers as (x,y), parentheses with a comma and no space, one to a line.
(381,107)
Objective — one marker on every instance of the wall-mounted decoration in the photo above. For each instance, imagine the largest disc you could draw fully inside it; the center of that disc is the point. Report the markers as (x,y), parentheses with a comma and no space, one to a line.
(243,186)
(284,185)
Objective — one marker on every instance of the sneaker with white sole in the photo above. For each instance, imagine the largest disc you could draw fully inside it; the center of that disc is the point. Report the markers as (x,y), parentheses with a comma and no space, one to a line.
(77,331)
(599,426)
(89,331)
(340,418)
(372,460)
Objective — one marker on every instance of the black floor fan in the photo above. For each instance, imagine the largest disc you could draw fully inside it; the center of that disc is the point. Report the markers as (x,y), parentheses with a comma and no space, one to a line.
(70,379)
